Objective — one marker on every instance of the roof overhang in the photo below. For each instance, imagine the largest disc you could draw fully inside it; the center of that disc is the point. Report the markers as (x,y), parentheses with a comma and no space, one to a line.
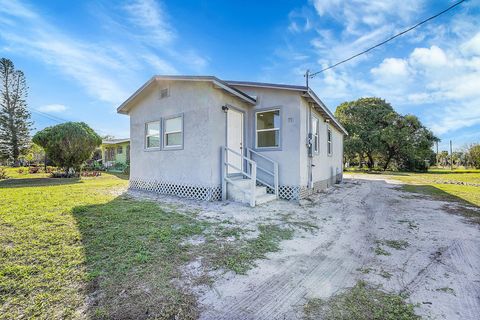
(217,83)
(115,141)
(307,93)
(310,96)
(266,85)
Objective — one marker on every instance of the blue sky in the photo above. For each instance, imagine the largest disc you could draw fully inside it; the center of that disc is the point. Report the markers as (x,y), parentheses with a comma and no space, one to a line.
(82,59)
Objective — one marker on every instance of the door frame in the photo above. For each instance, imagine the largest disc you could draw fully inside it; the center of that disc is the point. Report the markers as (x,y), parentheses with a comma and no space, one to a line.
(244,134)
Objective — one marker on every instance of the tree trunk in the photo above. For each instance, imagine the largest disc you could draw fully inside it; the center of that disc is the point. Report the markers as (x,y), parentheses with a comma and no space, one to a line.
(387,162)
(370,161)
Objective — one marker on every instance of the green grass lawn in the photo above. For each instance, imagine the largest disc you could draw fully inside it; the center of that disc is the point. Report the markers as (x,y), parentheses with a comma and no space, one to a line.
(459,185)
(15,173)
(79,248)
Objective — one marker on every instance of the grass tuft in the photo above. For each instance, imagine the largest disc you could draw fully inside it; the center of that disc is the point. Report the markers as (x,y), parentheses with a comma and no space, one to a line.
(241,257)
(364,302)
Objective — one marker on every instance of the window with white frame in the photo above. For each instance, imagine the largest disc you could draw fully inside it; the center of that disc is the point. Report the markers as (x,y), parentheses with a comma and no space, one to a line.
(267,129)
(152,135)
(315,134)
(329,141)
(173,132)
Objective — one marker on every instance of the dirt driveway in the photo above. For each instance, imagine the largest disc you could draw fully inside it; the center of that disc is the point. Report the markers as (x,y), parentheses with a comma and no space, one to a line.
(368,230)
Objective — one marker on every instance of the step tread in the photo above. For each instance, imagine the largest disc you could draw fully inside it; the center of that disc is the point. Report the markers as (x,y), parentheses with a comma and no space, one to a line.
(265,198)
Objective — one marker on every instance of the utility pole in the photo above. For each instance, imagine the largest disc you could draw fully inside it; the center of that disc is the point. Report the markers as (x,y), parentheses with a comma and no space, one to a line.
(451,156)
(307,75)
(436,155)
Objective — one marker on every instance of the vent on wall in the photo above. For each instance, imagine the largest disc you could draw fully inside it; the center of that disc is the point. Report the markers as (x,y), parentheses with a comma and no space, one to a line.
(164,93)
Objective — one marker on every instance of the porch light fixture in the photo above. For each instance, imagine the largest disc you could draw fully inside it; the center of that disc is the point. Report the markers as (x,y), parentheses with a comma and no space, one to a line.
(225,108)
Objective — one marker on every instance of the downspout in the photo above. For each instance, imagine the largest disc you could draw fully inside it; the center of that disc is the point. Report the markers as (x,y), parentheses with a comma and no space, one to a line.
(309,147)
(309,136)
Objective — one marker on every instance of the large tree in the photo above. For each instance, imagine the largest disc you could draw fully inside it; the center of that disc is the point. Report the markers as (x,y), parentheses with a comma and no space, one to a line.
(364,119)
(15,121)
(379,133)
(474,155)
(68,144)
(407,141)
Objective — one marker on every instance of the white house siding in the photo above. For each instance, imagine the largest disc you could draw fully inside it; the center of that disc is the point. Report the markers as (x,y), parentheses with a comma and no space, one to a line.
(288,155)
(193,171)
(327,169)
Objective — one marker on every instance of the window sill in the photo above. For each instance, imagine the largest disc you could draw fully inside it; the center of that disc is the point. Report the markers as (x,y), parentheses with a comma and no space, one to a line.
(173,148)
(151,149)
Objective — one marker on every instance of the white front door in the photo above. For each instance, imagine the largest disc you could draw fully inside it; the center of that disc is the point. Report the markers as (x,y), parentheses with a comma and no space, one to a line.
(235,139)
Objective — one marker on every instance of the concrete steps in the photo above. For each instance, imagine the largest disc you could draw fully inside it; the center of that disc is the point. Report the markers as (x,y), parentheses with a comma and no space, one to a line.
(239,191)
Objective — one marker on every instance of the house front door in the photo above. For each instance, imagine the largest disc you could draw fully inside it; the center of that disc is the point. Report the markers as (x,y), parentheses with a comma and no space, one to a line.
(235,140)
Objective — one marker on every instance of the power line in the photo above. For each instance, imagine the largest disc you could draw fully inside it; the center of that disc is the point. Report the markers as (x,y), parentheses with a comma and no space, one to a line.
(389,39)
(49,116)
(56,119)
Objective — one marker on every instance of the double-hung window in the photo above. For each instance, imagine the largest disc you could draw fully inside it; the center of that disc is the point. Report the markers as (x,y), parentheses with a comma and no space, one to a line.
(152,135)
(267,129)
(329,141)
(119,150)
(173,132)
(315,135)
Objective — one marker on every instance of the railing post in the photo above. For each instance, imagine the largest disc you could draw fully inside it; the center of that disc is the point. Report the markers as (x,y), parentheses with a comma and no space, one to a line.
(249,154)
(253,187)
(224,174)
(275,178)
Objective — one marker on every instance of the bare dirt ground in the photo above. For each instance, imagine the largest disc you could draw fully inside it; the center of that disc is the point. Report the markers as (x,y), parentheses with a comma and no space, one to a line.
(367,230)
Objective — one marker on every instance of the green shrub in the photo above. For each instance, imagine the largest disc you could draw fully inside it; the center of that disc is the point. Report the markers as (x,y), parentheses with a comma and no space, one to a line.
(120,166)
(68,144)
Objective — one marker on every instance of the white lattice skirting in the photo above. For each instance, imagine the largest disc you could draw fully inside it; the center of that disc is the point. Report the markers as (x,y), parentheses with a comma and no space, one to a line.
(189,191)
(289,192)
(206,193)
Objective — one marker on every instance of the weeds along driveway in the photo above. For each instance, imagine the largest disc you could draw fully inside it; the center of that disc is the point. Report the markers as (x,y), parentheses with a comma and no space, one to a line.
(361,230)
(84,249)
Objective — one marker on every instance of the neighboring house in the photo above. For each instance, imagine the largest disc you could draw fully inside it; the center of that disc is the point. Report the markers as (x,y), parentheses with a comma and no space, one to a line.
(204,138)
(115,151)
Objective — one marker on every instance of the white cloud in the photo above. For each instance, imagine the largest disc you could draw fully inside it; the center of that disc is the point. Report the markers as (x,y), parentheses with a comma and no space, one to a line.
(299,21)
(356,15)
(435,73)
(472,46)
(90,65)
(53,108)
(151,18)
(429,57)
(105,70)
(159,65)
(392,70)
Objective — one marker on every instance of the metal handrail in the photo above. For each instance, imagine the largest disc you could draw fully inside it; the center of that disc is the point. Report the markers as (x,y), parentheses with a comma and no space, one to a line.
(266,171)
(252,175)
(274,173)
(240,155)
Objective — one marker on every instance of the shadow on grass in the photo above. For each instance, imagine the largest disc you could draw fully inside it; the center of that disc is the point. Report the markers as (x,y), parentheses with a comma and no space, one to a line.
(396,173)
(37,182)
(119,175)
(133,251)
(465,208)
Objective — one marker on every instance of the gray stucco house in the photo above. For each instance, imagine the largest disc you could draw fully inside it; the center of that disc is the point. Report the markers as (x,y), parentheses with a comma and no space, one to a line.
(204,138)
